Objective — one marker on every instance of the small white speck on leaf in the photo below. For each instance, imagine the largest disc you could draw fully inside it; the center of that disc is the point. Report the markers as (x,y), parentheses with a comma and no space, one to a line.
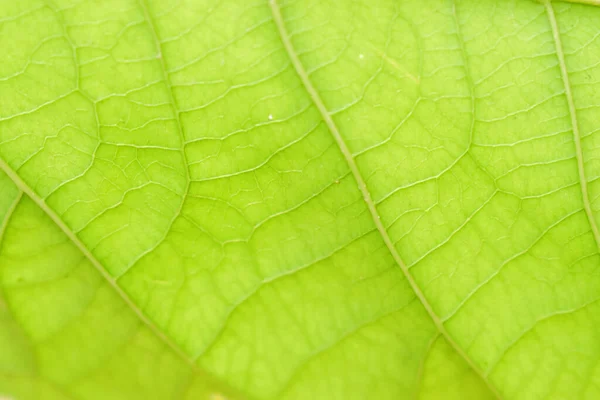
(361,56)
(270,117)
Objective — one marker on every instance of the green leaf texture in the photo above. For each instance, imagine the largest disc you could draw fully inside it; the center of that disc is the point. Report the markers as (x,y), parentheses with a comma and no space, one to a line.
(299,199)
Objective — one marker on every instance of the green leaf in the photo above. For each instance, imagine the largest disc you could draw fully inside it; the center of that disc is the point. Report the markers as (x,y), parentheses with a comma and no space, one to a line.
(220,199)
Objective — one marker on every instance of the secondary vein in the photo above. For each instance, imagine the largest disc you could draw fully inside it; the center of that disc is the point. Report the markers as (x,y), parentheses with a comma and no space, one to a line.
(165,76)
(583,182)
(24,187)
(362,186)
(112,281)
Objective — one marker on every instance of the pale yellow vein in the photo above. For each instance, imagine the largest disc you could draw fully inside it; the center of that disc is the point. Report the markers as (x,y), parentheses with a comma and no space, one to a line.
(303,75)
(574,123)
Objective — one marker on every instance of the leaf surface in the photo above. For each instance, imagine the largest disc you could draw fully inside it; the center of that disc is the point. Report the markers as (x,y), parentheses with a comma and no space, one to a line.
(299,199)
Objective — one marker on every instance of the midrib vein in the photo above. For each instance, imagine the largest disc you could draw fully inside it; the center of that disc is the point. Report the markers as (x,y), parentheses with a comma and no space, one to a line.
(302,74)
(583,183)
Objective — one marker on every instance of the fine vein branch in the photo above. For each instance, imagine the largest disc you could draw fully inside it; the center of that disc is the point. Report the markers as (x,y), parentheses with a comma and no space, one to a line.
(24,187)
(9,213)
(303,75)
(167,81)
(583,183)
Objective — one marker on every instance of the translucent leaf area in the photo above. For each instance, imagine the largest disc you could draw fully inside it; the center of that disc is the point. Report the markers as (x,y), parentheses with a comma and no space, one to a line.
(299,199)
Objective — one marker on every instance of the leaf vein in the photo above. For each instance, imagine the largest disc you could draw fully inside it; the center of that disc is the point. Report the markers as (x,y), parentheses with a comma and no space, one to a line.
(575,125)
(327,117)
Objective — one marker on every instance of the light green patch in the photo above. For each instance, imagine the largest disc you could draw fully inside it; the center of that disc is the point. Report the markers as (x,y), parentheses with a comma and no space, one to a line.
(299,199)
